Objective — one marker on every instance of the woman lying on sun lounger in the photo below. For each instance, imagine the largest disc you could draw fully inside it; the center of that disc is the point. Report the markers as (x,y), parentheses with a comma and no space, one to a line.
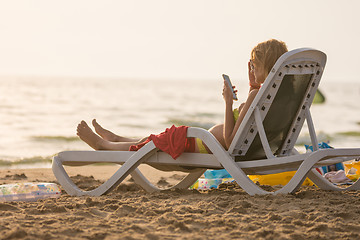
(263,58)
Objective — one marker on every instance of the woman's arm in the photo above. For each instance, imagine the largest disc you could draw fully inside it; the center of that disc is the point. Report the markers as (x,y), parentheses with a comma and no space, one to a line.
(229,116)
(231,127)
(230,136)
(229,124)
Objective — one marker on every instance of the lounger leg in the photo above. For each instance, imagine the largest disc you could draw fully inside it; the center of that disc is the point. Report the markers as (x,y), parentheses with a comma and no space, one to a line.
(130,165)
(141,180)
(185,183)
(235,171)
(251,188)
(64,179)
(226,161)
(189,180)
(321,182)
(306,169)
(324,184)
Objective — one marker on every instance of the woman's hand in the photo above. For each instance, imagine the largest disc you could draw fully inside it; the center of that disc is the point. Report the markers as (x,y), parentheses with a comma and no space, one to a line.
(227,93)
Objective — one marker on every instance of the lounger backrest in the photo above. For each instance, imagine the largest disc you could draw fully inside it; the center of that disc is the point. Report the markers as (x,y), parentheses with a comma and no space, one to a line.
(281,103)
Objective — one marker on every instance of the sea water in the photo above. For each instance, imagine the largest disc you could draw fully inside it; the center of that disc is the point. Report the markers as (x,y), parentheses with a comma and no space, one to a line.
(38,115)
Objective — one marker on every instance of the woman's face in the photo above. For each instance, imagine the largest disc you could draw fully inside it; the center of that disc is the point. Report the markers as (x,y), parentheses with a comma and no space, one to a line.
(259,72)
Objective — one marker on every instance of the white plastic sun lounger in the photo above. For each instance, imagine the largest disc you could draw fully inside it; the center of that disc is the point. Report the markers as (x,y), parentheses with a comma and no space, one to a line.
(263,144)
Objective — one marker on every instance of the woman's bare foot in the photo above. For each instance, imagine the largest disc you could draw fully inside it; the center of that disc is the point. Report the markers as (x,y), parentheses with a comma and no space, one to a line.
(104,133)
(87,135)
(110,136)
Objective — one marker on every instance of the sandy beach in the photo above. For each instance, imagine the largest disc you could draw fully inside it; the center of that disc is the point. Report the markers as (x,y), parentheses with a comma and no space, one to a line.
(131,213)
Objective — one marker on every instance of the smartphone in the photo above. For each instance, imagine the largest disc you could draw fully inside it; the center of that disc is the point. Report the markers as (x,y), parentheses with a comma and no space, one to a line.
(227,79)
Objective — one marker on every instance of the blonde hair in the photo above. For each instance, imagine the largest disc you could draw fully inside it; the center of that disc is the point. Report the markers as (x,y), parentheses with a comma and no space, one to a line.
(267,53)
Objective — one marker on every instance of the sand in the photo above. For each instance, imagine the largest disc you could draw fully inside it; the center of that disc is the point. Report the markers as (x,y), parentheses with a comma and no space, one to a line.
(130,213)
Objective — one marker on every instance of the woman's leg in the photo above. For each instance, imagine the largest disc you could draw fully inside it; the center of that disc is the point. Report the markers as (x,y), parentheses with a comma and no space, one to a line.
(110,136)
(218,132)
(98,143)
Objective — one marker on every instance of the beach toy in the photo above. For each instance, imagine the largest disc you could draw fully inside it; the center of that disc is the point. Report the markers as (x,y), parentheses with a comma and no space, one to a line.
(206,184)
(269,179)
(28,191)
(213,178)
(352,170)
(277,179)
(211,174)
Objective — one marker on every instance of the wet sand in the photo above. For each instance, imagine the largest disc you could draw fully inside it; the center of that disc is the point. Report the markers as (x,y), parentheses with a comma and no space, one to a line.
(128,212)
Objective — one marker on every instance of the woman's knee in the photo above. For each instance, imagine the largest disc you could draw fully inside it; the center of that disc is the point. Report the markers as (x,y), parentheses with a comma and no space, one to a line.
(217,131)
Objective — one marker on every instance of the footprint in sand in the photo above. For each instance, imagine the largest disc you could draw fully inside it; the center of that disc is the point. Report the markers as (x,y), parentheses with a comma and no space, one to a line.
(7,207)
(162,182)
(15,177)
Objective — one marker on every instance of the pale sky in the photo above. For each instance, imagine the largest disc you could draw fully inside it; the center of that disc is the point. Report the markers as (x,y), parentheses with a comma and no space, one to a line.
(167,39)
